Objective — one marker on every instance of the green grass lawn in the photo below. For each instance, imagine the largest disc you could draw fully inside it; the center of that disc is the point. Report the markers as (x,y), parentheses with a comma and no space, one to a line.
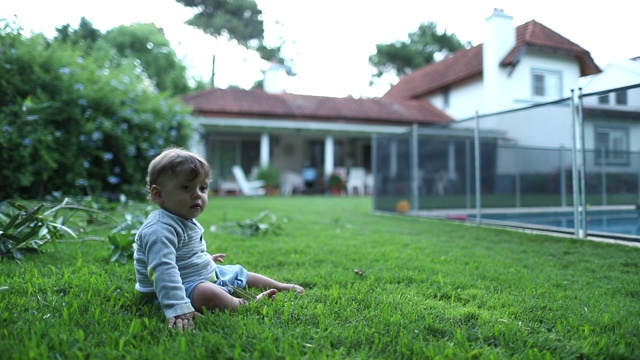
(430,289)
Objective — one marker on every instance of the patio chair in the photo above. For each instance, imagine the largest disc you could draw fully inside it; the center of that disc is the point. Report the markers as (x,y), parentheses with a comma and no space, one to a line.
(441,183)
(369,183)
(356,180)
(291,182)
(225,187)
(247,187)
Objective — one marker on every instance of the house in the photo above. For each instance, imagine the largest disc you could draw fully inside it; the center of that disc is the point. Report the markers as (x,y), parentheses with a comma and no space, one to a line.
(618,73)
(515,68)
(611,107)
(258,128)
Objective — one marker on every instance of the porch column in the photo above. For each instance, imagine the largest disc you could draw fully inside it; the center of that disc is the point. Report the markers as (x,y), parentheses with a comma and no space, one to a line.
(197,143)
(329,155)
(451,168)
(264,149)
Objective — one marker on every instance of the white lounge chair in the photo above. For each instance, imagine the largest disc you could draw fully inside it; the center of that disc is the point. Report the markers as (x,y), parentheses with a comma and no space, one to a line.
(227,186)
(356,180)
(248,187)
(291,181)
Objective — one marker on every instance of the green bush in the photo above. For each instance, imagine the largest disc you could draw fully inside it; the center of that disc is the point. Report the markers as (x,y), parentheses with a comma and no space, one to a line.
(270,175)
(77,123)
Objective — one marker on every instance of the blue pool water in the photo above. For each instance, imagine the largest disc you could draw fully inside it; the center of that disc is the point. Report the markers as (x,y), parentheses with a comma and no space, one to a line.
(625,222)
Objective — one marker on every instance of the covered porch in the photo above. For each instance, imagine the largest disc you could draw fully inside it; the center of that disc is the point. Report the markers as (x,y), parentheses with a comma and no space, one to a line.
(286,145)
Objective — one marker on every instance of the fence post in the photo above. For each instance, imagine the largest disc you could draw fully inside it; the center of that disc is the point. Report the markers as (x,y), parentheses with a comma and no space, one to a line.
(414,167)
(374,171)
(467,165)
(476,136)
(583,189)
(574,166)
(517,168)
(563,179)
(603,176)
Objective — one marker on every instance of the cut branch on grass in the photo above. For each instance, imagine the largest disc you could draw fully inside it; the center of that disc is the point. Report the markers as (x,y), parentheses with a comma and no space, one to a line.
(266,223)
(23,228)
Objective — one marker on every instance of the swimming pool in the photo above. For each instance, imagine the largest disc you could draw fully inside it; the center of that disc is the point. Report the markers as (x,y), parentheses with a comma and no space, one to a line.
(617,223)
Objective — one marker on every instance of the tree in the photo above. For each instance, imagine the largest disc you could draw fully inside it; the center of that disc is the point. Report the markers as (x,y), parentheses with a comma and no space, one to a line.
(85,35)
(147,44)
(143,42)
(424,46)
(79,123)
(239,20)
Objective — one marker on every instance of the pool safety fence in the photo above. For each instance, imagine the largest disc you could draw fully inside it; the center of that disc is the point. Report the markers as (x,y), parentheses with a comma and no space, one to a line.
(575,153)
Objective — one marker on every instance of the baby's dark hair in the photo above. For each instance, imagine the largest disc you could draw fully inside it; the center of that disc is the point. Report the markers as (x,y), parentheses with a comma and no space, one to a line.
(174,161)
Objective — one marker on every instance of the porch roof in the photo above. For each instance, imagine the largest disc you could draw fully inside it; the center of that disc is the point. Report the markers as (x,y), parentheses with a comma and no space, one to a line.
(258,105)
(282,125)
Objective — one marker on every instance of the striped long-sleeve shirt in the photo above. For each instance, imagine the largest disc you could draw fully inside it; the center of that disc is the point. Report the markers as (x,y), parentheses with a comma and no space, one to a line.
(169,252)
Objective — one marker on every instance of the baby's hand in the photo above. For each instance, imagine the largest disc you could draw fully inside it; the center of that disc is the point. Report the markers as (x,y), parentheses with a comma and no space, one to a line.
(218,257)
(184,321)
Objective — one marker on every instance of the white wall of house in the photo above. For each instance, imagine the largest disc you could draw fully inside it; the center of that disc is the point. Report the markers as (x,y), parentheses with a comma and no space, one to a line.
(290,152)
(561,72)
(550,126)
(463,99)
(516,87)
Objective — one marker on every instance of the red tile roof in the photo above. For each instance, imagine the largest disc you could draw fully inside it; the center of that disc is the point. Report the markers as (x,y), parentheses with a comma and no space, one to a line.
(465,64)
(238,103)
(461,65)
(537,36)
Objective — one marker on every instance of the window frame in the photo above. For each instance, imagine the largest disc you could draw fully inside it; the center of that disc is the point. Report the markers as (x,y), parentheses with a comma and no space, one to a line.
(621,97)
(603,99)
(546,85)
(612,156)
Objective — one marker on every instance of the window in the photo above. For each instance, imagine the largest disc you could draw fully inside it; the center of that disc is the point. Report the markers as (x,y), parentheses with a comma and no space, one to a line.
(621,97)
(546,84)
(603,99)
(538,85)
(612,146)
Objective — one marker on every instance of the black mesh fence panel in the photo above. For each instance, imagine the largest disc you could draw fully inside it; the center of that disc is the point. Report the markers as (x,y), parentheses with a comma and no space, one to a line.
(539,156)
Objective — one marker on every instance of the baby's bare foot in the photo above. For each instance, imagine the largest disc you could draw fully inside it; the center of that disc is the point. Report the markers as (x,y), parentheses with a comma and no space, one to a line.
(269,294)
(297,288)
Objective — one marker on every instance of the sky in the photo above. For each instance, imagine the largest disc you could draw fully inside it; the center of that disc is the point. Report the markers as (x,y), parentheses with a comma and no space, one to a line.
(330,41)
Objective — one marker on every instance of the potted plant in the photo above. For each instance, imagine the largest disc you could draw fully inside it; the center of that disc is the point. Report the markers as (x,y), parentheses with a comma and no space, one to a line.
(336,184)
(271,177)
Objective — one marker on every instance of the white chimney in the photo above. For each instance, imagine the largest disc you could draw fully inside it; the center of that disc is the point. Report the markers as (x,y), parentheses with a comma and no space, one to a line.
(500,39)
(501,35)
(274,79)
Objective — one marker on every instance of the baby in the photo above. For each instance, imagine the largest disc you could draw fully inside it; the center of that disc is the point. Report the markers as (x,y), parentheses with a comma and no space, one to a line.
(171,259)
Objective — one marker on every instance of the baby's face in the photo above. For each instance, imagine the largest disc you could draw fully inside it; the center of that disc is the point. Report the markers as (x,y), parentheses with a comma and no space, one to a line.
(182,196)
